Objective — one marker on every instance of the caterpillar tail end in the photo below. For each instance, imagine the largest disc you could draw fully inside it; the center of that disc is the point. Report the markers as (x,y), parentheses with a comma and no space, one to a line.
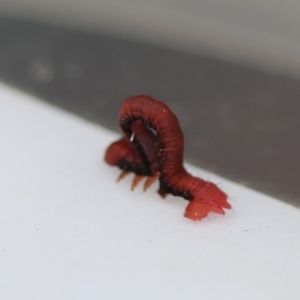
(209,199)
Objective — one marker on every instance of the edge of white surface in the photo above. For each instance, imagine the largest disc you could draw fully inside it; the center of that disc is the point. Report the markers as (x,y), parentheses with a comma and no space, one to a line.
(111,135)
(68,231)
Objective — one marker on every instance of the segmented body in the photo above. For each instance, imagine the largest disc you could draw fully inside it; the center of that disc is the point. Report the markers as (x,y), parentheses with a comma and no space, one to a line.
(152,147)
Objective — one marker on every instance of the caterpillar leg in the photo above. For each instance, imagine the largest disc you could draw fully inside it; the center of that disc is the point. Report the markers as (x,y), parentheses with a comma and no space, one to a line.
(136,180)
(196,210)
(122,175)
(150,181)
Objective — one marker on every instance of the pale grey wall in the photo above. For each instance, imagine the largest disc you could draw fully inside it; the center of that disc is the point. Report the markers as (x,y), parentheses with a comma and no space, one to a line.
(264,33)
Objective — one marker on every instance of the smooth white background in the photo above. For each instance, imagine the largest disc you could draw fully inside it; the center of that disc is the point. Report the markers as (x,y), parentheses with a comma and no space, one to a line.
(69,231)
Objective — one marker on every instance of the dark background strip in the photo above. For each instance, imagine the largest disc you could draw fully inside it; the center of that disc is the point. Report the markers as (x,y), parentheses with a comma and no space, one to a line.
(238,122)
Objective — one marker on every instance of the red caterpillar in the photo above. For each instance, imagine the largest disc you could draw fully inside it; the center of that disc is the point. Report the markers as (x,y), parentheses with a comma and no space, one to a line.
(152,147)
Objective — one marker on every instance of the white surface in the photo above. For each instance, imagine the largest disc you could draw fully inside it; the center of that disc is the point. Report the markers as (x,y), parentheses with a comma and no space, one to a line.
(262,33)
(69,231)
